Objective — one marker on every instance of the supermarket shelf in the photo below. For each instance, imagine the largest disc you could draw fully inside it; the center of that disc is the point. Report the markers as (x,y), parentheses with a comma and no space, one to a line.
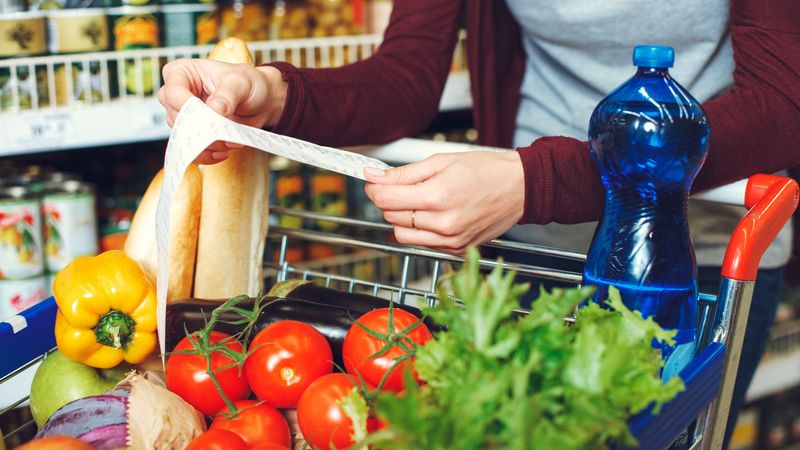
(124,121)
(52,111)
(775,374)
(80,127)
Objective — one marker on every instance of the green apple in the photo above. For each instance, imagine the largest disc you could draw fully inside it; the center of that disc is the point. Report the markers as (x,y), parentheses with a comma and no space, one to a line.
(60,380)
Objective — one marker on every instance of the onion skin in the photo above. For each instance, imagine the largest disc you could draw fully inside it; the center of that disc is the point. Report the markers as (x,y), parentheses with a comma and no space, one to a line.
(99,420)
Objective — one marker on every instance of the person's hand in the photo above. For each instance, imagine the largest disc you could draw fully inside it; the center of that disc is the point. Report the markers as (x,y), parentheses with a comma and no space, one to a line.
(249,95)
(457,200)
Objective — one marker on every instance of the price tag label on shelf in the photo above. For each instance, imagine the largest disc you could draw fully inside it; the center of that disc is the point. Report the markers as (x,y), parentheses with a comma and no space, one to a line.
(197,127)
(43,128)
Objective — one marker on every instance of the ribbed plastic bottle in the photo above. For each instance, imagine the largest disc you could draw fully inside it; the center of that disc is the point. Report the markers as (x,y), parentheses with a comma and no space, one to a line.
(649,138)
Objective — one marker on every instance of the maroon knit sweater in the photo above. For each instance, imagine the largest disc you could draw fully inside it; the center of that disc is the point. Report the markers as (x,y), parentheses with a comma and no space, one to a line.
(396,92)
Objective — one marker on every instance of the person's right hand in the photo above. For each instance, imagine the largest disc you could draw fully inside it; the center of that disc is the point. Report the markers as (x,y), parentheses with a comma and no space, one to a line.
(249,95)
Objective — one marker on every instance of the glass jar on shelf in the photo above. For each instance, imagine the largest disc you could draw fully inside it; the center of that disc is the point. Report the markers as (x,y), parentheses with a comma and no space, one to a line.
(290,20)
(248,20)
(337,17)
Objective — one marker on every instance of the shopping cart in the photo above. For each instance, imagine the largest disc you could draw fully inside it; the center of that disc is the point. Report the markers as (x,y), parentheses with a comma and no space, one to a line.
(369,262)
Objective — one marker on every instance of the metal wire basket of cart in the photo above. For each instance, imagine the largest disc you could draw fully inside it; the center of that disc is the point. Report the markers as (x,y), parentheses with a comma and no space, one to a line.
(367,261)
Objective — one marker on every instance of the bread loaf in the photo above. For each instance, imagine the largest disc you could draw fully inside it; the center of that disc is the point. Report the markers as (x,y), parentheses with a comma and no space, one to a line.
(234,217)
(184,221)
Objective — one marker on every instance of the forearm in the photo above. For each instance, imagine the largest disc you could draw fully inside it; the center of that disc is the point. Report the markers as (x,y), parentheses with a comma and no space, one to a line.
(393,94)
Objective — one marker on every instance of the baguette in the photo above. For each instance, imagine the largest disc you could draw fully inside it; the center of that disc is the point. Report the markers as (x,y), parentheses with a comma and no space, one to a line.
(235,213)
(140,244)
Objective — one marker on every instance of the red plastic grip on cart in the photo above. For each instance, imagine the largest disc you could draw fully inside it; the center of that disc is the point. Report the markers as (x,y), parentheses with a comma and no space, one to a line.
(772,200)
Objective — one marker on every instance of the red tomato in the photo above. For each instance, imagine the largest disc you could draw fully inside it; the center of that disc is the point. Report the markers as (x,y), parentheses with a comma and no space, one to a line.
(187,376)
(217,440)
(269,447)
(257,423)
(287,357)
(359,347)
(323,423)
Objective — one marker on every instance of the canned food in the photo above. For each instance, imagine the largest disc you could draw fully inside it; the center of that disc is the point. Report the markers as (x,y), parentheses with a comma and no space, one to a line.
(289,189)
(36,178)
(20,90)
(244,19)
(77,30)
(328,196)
(19,295)
(12,6)
(84,83)
(20,234)
(115,218)
(336,17)
(133,27)
(190,24)
(290,20)
(22,34)
(70,223)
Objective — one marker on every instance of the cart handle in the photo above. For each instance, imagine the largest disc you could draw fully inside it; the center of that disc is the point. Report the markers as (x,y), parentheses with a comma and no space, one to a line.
(771,200)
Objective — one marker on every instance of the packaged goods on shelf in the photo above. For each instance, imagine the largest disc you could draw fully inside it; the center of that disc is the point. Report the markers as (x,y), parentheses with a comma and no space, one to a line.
(22,282)
(70,223)
(115,221)
(337,17)
(745,435)
(189,24)
(248,20)
(23,34)
(328,196)
(290,20)
(134,28)
(77,30)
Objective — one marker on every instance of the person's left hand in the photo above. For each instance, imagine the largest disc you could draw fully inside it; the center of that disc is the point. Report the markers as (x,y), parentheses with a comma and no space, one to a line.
(457,200)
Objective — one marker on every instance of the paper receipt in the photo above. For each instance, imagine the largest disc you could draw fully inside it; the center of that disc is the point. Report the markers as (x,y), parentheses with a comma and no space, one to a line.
(197,127)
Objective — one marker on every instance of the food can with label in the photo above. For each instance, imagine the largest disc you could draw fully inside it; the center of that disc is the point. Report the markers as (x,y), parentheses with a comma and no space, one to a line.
(77,30)
(189,24)
(328,196)
(134,28)
(20,234)
(12,6)
(19,295)
(70,223)
(290,193)
(36,178)
(23,34)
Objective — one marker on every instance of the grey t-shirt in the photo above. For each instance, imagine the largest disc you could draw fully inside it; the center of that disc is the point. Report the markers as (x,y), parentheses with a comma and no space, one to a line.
(578,51)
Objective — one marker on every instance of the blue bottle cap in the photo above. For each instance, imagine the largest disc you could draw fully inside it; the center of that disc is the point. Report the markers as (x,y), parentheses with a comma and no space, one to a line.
(657,56)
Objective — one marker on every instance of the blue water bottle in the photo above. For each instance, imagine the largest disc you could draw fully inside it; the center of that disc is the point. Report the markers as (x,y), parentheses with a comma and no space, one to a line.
(649,138)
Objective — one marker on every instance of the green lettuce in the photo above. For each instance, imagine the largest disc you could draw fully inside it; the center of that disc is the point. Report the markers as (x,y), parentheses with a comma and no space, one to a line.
(496,379)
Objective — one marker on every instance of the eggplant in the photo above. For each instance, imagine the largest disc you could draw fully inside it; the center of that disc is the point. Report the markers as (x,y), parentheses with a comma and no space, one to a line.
(330,311)
(99,420)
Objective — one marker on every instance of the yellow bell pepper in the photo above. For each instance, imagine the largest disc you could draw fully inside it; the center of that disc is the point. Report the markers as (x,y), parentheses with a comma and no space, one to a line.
(106,310)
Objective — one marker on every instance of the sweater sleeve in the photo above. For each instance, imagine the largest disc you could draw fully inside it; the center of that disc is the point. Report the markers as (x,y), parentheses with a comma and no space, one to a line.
(393,94)
(754,125)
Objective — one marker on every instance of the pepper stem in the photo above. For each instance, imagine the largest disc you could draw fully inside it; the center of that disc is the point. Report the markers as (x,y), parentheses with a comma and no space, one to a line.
(115,329)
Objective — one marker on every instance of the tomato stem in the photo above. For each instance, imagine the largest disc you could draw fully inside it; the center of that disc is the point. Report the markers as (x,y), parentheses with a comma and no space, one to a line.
(201,340)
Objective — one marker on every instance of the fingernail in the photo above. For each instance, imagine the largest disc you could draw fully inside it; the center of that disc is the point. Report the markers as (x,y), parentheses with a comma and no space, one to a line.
(219,155)
(218,104)
(374,172)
